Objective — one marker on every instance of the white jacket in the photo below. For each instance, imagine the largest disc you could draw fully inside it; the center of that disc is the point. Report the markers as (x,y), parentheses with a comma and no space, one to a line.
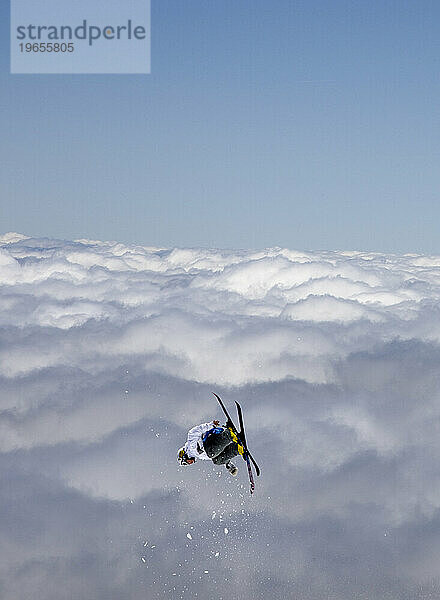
(195,436)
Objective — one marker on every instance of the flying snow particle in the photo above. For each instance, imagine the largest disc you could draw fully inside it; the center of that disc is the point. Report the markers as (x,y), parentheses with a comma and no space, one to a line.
(189,536)
(226,531)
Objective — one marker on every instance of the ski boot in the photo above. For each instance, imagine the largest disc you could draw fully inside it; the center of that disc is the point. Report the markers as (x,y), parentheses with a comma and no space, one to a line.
(233,470)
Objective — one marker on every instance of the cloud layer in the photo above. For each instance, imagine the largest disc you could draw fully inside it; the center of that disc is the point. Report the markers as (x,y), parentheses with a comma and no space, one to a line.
(108,354)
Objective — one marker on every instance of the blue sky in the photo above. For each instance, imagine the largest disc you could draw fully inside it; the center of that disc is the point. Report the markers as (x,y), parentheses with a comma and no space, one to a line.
(309,125)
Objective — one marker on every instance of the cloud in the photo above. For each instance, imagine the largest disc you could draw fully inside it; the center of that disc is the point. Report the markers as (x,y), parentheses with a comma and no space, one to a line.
(109,354)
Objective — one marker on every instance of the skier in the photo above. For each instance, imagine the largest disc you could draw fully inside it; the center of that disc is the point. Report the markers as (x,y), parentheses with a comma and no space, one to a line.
(209,441)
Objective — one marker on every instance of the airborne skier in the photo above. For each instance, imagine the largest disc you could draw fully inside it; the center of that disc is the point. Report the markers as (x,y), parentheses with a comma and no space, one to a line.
(212,441)
(209,441)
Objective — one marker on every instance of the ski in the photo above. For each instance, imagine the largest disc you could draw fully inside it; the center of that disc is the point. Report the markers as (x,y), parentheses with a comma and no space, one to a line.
(240,439)
(246,456)
(243,437)
(251,475)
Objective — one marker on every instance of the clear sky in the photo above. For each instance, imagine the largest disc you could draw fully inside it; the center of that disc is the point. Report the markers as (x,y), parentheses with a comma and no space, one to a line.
(307,124)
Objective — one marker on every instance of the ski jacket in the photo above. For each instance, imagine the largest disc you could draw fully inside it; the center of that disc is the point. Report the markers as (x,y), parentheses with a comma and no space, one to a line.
(194,442)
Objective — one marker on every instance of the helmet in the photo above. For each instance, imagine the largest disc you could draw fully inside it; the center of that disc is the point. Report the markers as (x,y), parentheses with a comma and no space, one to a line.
(182,457)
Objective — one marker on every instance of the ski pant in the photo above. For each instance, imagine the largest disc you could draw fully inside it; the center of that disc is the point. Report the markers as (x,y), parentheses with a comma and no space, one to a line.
(220,448)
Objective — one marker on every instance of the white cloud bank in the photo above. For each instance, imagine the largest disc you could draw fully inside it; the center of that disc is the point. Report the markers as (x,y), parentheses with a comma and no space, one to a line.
(108,354)
(218,317)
